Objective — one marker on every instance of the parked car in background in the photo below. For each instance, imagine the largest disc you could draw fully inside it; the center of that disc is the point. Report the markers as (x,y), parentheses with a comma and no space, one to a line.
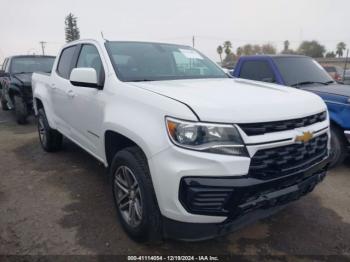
(306,74)
(346,80)
(192,153)
(16,82)
(336,72)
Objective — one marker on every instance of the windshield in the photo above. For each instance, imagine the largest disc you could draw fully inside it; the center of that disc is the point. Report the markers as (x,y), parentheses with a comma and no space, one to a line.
(134,61)
(296,70)
(31,64)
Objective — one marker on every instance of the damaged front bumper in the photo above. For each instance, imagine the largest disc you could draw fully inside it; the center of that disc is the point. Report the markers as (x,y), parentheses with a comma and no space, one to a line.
(242,200)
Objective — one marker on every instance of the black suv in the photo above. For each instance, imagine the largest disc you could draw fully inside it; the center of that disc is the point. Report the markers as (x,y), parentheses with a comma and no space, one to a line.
(16,82)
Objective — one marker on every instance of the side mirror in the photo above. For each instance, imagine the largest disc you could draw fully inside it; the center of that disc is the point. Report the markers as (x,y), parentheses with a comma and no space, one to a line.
(84,76)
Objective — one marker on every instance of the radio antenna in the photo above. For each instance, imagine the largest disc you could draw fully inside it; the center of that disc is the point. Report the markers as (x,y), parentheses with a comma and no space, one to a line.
(103,37)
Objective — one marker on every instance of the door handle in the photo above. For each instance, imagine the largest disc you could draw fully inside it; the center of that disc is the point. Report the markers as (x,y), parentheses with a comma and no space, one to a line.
(53,86)
(71,93)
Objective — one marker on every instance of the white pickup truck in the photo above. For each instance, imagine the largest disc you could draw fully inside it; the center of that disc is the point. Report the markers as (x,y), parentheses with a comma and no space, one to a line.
(191,152)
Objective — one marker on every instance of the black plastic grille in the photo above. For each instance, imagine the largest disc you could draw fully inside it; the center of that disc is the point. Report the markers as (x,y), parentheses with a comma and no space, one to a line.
(235,196)
(209,200)
(281,161)
(277,126)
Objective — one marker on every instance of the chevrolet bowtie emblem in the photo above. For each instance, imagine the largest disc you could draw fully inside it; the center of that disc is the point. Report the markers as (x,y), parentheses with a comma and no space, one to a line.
(304,138)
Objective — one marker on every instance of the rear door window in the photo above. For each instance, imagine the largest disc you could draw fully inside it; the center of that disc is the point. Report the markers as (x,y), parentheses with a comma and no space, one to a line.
(258,71)
(65,64)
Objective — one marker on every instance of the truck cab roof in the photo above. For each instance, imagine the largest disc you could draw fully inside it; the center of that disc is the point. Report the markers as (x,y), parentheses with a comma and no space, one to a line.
(29,56)
(272,56)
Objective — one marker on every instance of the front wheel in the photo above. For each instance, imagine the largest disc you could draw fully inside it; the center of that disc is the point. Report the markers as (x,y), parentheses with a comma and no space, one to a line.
(338,147)
(134,195)
(21,110)
(4,105)
(50,139)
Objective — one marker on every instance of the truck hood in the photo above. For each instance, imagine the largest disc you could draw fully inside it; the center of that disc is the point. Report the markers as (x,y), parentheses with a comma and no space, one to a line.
(334,89)
(238,100)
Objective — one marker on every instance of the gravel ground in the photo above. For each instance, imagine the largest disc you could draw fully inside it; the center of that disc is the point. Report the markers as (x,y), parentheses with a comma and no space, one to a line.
(61,204)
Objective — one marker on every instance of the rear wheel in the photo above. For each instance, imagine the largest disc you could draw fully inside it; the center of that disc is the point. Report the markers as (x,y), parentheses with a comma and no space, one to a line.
(134,195)
(21,110)
(338,147)
(50,139)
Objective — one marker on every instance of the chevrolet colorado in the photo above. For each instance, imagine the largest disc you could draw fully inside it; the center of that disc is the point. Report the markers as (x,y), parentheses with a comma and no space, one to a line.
(191,153)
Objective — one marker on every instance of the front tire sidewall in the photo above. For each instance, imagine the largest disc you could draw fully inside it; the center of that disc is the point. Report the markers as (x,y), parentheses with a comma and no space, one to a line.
(53,141)
(21,110)
(3,101)
(150,224)
(338,148)
(42,119)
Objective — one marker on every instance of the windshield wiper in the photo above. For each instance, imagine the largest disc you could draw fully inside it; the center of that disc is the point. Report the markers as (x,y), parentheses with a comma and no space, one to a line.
(311,82)
(20,73)
(329,82)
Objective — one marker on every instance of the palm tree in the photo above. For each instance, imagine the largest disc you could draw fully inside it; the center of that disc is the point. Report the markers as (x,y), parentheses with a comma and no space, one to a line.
(227,46)
(239,51)
(340,49)
(220,50)
(286,46)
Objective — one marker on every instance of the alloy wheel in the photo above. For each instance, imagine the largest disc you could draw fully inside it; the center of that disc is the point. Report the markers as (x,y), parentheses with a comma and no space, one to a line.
(42,130)
(128,196)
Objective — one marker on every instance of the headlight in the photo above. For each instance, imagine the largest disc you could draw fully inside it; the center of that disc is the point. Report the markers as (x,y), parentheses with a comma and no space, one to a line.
(206,137)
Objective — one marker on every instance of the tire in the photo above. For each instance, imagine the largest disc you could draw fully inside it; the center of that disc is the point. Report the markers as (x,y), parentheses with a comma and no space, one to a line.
(132,163)
(21,110)
(338,147)
(50,139)
(4,102)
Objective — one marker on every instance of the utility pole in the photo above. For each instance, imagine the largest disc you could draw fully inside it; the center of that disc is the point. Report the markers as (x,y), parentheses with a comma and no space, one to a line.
(42,43)
(193,41)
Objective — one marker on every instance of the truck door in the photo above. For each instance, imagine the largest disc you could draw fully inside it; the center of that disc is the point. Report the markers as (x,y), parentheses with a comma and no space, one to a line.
(59,88)
(86,108)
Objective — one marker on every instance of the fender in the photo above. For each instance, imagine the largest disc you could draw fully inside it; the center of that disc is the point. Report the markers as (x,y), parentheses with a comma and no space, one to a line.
(135,130)
(339,118)
(41,93)
(10,91)
(127,114)
(13,89)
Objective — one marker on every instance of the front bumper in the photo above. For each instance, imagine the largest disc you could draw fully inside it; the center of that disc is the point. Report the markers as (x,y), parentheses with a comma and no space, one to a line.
(250,200)
(174,166)
(347,135)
